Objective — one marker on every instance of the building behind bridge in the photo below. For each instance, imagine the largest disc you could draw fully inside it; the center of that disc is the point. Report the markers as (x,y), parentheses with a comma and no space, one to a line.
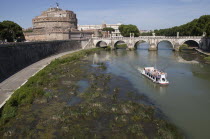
(55,24)
(116,33)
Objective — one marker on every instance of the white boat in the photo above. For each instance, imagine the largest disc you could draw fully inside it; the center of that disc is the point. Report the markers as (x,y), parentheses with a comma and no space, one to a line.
(155,75)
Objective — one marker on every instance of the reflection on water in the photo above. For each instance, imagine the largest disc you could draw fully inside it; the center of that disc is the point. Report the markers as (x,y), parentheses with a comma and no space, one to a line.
(185,101)
(97,59)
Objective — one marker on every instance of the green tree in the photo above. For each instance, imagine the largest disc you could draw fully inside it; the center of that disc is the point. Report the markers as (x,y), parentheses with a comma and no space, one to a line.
(108,29)
(208,30)
(193,28)
(125,30)
(1,28)
(11,31)
(146,34)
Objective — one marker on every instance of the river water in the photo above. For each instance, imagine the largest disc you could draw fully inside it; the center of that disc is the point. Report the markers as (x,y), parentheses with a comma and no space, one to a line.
(186,101)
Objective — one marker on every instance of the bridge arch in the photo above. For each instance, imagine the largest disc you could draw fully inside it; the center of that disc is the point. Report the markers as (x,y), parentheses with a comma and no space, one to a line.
(101,44)
(191,43)
(137,43)
(120,44)
(161,41)
(152,40)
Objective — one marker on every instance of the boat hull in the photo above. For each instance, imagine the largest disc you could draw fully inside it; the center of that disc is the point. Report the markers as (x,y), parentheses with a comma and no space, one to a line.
(153,80)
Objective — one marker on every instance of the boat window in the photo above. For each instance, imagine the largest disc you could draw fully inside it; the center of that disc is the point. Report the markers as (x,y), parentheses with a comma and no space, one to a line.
(163,79)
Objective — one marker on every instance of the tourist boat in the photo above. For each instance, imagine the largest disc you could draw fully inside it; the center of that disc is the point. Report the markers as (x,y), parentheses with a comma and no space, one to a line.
(155,75)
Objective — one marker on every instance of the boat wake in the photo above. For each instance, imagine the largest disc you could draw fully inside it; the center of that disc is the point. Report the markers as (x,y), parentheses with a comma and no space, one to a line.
(140,69)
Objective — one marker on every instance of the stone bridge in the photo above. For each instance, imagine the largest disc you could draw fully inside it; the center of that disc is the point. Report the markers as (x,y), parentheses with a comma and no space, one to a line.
(153,41)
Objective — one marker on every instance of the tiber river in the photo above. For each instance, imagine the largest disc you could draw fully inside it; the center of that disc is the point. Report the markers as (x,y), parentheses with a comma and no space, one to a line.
(186,101)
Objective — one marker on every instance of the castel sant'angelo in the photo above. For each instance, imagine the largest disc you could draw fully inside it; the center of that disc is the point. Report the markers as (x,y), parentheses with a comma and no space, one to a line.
(53,24)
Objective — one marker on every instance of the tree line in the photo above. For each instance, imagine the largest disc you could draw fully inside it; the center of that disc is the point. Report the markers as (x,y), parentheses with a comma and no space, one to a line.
(193,28)
(10,32)
(125,30)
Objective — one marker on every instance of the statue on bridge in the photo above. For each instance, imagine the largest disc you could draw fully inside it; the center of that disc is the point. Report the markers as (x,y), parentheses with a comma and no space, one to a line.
(177,34)
(204,34)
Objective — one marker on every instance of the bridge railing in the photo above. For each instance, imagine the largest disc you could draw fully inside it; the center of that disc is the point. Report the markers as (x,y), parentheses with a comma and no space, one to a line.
(147,37)
(112,38)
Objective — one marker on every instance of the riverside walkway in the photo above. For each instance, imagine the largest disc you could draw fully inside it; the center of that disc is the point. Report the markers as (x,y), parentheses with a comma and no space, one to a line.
(202,52)
(8,86)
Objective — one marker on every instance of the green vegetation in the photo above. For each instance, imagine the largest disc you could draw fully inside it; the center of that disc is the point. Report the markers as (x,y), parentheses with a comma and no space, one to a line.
(34,87)
(125,30)
(11,31)
(108,48)
(207,59)
(101,66)
(185,47)
(121,46)
(108,29)
(193,28)
(146,34)
(208,30)
(45,108)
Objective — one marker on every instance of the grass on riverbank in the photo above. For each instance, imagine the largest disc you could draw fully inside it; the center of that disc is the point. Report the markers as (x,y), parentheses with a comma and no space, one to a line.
(207,59)
(184,47)
(34,87)
(121,46)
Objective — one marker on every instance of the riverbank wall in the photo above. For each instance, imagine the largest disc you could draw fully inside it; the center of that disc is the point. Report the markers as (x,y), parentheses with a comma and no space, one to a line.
(14,57)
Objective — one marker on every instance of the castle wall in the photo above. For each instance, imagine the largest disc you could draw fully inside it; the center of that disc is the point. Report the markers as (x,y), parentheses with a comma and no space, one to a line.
(46,36)
(35,37)
(53,24)
(57,36)
(60,24)
(14,57)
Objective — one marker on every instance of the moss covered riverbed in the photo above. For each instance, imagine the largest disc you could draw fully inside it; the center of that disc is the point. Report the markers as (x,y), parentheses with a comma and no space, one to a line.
(73,98)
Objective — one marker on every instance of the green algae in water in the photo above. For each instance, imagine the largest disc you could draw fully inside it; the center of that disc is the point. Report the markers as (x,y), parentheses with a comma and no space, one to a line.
(82,85)
(74,100)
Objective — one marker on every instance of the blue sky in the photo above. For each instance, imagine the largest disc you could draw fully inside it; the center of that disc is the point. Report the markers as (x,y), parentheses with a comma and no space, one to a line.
(146,14)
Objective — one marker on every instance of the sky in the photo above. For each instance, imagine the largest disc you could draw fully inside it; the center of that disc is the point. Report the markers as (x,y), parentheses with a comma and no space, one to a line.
(146,14)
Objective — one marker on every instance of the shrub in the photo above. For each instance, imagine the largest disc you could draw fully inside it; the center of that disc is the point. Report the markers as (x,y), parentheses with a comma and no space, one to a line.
(108,48)
(121,46)
(207,59)
(183,47)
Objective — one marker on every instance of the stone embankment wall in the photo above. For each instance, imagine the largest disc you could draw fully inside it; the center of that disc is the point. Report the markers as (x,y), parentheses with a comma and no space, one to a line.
(205,44)
(14,57)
